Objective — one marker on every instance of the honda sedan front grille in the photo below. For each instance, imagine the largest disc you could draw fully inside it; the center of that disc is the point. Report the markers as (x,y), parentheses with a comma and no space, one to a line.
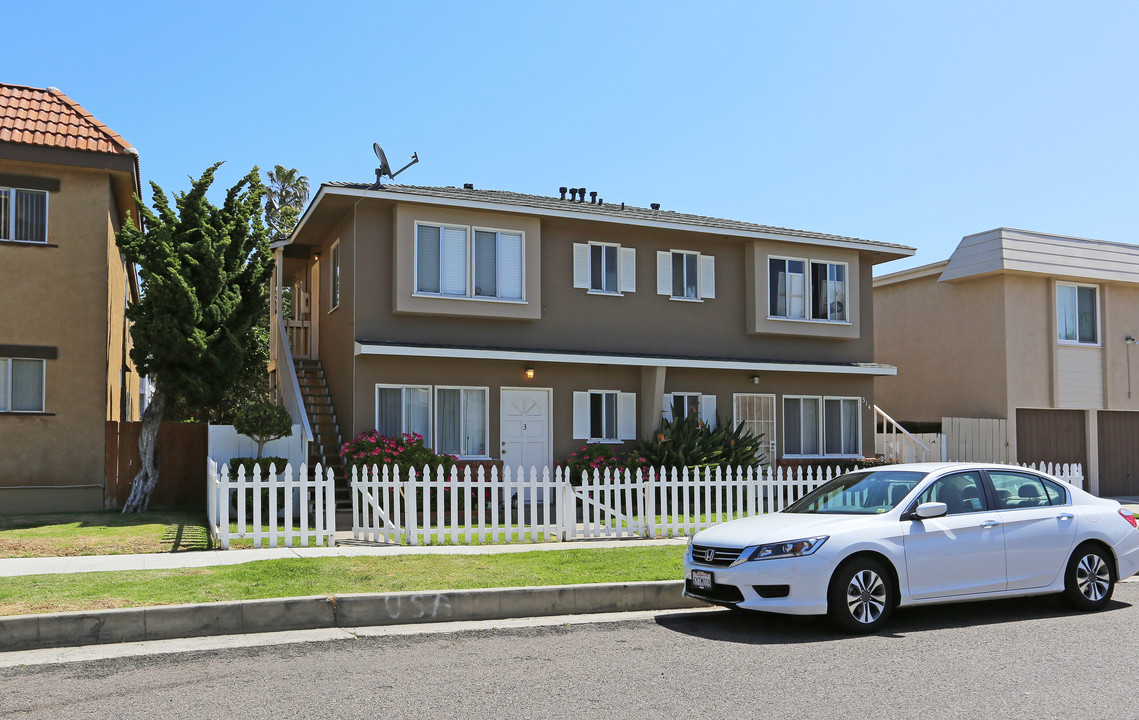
(714,556)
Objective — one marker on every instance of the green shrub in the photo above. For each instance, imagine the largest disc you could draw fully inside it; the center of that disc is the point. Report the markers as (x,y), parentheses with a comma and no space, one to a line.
(690,442)
(407,451)
(250,463)
(263,422)
(597,456)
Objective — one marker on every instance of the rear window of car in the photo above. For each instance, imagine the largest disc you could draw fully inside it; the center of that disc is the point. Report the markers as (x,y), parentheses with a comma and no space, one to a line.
(868,492)
(1023,490)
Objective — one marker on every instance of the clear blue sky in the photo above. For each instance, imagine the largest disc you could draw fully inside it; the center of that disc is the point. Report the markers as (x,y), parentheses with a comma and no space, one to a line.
(906,122)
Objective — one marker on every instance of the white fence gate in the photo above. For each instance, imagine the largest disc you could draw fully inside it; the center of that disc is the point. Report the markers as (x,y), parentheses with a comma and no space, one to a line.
(280,508)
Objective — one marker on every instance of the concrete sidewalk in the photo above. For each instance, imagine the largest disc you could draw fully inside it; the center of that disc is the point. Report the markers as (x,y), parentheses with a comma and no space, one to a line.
(11,567)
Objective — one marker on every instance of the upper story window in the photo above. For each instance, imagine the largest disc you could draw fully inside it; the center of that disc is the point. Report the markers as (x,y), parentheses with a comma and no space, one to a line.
(334,277)
(1077,313)
(21,385)
(790,285)
(685,275)
(447,264)
(604,268)
(23,215)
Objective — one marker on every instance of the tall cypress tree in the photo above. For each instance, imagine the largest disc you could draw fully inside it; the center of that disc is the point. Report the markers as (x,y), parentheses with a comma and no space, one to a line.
(205,272)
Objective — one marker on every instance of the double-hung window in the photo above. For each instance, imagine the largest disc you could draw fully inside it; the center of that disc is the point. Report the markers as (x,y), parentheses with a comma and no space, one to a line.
(828,291)
(21,385)
(403,410)
(334,277)
(807,290)
(23,215)
(604,268)
(465,262)
(461,421)
(498,264)
(686,275)
(787,284)
(679,405)
(815,426)
(1077,313)
(604,416)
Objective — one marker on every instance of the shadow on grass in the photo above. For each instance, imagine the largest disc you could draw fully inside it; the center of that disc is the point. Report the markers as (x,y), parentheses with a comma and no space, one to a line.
(756,628)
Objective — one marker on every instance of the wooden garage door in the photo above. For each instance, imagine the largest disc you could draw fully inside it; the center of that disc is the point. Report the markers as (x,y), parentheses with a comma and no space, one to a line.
(1118,453)
(1056,436)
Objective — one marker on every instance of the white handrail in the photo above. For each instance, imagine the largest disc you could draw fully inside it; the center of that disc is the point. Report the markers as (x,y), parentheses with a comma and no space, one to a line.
(293,400)
(891,425)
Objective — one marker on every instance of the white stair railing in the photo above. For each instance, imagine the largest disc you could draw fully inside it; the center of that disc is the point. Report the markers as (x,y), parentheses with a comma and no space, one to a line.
(899,444)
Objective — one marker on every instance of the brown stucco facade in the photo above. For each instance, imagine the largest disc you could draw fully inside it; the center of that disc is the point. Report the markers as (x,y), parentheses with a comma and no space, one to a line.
(65,302)
(636,342)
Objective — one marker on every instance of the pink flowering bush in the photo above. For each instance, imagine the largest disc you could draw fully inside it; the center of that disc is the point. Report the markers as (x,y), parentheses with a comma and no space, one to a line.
(599,457)
(407,451)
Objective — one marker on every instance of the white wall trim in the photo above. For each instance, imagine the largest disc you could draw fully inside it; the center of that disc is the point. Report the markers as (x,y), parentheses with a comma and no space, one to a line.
(639,361)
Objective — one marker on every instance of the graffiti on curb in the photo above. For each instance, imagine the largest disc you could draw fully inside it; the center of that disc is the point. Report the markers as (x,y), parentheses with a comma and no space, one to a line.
(418,607)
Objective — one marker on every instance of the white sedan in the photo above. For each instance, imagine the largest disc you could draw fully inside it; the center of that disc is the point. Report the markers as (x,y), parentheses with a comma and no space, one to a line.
(872,540)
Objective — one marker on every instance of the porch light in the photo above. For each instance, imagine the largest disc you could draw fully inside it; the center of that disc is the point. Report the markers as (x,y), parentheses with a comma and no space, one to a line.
(529,372)
(754,379)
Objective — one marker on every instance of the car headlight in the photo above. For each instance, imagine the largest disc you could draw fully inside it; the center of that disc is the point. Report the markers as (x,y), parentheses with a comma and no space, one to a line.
(792,548)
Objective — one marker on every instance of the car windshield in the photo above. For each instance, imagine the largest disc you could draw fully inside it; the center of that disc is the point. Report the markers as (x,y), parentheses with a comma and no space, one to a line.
(868,492)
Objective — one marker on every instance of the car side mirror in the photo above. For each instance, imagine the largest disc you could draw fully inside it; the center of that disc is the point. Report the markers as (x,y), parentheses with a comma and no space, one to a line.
(929,510)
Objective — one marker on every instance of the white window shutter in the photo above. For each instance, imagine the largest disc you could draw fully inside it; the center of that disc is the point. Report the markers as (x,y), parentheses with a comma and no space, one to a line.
(581,265)
(628,269)
(510,266)
(453,261)
(707,276)
(708,409)
(664,273)
(627,416)
(581,416)
(666,407)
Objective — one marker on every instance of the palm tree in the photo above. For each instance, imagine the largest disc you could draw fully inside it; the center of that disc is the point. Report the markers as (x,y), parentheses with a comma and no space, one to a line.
(286,192)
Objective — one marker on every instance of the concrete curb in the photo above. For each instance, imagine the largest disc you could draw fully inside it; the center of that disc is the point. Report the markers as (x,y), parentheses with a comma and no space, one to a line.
(30,632)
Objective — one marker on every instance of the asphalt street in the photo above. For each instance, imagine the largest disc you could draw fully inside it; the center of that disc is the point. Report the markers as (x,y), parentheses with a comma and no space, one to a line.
(1028,658)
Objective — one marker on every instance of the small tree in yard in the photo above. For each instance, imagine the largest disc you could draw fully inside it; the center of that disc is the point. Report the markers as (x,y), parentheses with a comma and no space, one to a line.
(263,423)
(205,272)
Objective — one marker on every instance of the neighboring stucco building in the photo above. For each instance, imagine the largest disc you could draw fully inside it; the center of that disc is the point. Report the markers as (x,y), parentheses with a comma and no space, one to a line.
(66,183)
(513,327)
(1031,328)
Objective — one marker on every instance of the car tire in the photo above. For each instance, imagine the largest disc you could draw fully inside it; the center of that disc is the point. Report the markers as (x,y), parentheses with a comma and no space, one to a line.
(860,598)
(1089,579)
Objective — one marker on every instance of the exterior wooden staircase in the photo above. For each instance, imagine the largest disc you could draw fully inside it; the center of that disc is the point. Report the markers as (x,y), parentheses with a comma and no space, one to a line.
(325,446)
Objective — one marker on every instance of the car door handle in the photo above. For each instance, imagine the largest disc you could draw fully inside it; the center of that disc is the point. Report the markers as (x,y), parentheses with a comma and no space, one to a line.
(989,524)
(1065,516)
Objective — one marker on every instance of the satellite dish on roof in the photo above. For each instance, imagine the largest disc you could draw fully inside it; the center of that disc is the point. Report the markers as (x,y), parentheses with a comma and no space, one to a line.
(385,169)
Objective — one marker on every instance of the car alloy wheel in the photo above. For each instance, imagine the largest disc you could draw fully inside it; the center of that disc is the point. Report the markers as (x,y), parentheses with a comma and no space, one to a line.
(861,597)
(866,596)
(1089,579)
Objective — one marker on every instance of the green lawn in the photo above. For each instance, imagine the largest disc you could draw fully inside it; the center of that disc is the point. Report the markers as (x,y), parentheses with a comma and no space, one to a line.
(327,576)
(101,533)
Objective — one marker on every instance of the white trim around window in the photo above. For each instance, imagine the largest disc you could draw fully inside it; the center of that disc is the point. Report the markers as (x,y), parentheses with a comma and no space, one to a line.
(408,412)
(604,416)
(817,426)
(805,290)
(467,435)
(465,262)
(686,275)
(23,215)
(1077,314)
(698,404)
(23,385)
(602,268)
(334,276)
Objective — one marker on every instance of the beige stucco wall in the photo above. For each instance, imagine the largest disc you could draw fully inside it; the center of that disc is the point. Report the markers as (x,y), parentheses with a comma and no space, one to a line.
(758,289)
(60,297)
(1121,318)
(1030,340)
(948,343)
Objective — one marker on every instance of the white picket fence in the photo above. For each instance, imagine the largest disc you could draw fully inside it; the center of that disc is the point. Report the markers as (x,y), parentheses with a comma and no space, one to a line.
(280,508)
(434,506)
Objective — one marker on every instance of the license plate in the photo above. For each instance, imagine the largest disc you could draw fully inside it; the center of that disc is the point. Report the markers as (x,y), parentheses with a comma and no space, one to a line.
(701,580)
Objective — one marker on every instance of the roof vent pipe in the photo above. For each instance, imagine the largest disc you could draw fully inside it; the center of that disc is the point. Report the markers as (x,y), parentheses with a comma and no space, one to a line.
(562,190)
(468,186)
(573,194)
(655,206)
(581,197)
(593,198)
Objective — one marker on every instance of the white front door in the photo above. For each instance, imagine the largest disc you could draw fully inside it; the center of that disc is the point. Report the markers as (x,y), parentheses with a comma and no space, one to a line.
(526,428)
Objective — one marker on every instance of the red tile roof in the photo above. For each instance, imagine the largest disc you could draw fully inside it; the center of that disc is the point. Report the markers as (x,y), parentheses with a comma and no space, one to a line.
(35,116)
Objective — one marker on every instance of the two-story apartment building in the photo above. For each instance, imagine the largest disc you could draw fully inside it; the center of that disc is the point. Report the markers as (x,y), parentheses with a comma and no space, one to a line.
(1026,327)
(520,327)
(66,183)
